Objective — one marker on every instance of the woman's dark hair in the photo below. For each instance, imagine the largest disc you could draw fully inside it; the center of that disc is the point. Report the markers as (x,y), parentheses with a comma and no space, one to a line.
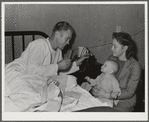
(125,40)
(63,26)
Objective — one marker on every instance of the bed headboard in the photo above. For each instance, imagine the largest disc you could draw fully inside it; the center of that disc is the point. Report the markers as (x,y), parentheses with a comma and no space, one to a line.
(23,34)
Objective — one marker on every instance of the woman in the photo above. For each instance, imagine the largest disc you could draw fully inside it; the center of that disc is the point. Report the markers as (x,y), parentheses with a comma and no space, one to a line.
(128,74)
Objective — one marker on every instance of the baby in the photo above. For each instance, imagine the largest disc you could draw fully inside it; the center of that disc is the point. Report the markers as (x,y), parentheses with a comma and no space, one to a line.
(106,81)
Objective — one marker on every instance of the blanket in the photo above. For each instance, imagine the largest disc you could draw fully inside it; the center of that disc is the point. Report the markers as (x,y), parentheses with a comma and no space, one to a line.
(36,94)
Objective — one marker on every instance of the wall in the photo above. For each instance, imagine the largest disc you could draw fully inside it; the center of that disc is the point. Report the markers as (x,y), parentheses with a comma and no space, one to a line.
(94,24)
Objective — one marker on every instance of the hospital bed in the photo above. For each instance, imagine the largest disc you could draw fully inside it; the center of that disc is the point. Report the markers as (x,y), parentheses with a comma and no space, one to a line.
(12,36)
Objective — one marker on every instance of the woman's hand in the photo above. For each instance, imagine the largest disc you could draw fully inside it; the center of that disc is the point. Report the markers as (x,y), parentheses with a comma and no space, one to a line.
(64,64)
(81,59)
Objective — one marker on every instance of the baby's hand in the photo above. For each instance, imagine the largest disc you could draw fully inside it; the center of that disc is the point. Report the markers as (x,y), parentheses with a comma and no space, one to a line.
(87,78)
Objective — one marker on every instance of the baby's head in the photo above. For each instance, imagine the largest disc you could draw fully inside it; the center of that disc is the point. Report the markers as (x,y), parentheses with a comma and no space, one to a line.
(110,67)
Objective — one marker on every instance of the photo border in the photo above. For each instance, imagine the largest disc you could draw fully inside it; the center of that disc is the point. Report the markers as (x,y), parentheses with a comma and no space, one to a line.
(7,116)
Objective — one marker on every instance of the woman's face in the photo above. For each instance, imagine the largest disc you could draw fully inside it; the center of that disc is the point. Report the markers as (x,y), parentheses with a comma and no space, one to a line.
(117,49)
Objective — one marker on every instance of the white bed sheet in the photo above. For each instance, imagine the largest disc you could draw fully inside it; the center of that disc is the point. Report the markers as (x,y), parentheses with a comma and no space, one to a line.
(43,97)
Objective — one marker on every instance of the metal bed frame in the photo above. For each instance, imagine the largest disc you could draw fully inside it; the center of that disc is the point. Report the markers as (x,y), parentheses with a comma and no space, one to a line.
(12,34)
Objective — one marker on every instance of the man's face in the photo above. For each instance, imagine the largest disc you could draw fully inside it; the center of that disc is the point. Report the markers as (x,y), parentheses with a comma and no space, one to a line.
(63,38)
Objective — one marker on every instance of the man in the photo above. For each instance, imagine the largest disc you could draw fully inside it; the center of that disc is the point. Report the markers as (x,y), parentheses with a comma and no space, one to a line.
(25,76)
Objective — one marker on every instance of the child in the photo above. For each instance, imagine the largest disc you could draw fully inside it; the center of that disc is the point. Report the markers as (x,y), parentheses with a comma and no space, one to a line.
(106,81)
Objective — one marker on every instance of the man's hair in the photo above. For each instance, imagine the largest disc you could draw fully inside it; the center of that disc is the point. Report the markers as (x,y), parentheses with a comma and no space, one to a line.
(63,26)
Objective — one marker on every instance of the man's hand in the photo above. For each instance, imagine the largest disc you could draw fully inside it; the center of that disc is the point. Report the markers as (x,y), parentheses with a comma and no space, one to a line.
(64,64)
(81,59)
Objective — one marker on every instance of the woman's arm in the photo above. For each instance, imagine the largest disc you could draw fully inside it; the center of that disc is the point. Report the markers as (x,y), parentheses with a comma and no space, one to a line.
(132,83)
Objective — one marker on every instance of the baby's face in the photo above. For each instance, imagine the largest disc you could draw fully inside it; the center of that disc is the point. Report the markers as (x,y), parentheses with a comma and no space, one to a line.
(106,67)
